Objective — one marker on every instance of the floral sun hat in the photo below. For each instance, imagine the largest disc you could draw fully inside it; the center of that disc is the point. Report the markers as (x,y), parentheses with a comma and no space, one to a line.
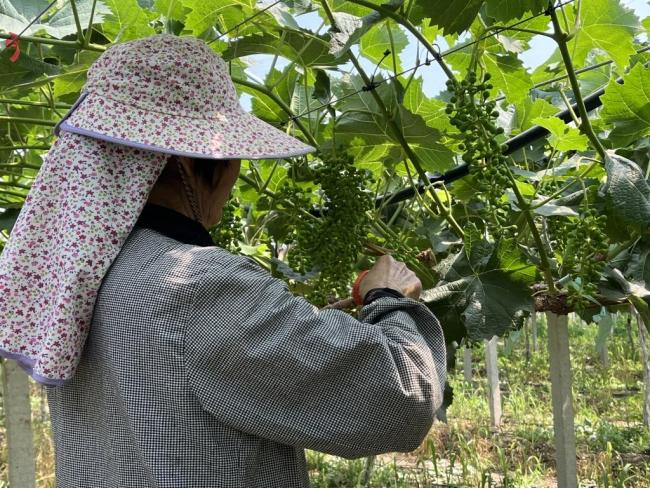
(143,100)
(174,95)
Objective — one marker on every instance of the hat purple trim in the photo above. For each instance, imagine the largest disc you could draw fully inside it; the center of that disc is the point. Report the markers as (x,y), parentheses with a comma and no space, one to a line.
(28,365)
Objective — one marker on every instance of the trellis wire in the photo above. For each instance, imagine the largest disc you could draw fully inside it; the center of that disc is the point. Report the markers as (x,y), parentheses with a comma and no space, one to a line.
(580,71)
(455,173)
(246,20)
(35,19)
(426,62)
(514,144)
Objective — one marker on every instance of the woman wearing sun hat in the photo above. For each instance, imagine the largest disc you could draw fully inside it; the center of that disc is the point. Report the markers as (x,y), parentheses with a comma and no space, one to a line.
(170,362)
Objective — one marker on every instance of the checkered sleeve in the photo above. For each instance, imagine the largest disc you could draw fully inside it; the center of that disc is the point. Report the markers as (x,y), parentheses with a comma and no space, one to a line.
(270,364)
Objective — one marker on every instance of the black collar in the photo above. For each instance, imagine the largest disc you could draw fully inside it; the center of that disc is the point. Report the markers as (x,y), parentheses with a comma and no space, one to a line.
(174,224)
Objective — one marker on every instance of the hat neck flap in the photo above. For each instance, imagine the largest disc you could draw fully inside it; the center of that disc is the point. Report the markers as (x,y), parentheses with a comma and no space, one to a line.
(82,206)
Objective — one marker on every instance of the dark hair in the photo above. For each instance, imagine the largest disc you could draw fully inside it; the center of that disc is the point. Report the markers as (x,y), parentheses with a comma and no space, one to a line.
(205,169)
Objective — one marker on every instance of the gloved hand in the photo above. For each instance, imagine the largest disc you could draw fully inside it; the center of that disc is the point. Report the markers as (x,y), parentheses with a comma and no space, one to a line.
(388,273)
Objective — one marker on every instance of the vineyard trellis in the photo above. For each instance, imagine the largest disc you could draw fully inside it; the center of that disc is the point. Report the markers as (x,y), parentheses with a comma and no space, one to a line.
(509,192)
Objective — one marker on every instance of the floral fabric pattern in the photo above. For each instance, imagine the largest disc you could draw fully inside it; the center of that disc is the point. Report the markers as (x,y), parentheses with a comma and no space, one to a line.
(80,210)
(173,94)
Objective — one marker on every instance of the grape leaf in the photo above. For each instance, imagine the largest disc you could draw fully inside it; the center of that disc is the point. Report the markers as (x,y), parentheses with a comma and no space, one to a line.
(351,8)
(488,285)
(322,87)
(24,70)
(636,292)
(284,83)
(62,23)
(127,21)
(528,110)
(605,25)
(627,106)
(73,80)
(302,46)
(377,41)
(453,16)
(172,9)
(362,124)
(505,10)
(432,110)
(351,27)
(562,137)
(16,15)
(638,266)
(627,191)
(223,13)
(509,76)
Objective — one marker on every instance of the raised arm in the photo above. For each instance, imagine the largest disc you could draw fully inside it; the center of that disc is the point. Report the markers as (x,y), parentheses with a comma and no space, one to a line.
(268,363)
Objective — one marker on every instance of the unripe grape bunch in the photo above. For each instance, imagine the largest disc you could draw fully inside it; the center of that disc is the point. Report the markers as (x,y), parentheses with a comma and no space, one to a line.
(331,244)
(471,112)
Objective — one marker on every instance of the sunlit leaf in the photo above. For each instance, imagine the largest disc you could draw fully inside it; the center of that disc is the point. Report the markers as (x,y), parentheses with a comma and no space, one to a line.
(75,77)
(127,21)
(627,106)
(605,25)
(16,15)
(221,13)
(383,38)
(509,76)
(562,137)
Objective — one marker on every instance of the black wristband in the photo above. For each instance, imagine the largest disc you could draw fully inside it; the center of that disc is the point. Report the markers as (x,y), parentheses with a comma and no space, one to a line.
(376,293)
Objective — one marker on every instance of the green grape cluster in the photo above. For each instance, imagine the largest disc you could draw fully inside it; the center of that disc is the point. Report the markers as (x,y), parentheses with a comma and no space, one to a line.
(475,117)
(586,246)
(331,244)
(230,230)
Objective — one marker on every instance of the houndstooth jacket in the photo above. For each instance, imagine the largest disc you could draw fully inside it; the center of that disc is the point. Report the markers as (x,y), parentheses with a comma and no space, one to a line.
(202,370)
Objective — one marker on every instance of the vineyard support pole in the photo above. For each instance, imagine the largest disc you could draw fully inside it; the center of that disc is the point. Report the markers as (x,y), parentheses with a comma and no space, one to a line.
(533,330)
(467,364)
(17,410)
(527,340)
(605,331)
(562,398)
(628,329)
(645,362)
(494,391)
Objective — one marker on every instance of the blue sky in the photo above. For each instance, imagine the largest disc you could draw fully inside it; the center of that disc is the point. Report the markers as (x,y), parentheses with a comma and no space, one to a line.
(434,79)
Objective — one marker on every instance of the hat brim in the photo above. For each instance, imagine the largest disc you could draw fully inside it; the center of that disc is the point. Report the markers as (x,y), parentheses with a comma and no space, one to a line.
(234,135)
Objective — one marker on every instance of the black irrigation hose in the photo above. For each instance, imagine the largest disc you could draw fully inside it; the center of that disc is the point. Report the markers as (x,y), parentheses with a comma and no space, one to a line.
(515,143)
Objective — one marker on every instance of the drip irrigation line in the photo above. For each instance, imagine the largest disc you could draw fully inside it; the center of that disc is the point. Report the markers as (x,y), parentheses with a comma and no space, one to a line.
(246,20)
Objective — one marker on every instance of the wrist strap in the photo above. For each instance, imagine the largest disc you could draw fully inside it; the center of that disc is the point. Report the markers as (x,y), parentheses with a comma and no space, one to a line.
(376,293)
